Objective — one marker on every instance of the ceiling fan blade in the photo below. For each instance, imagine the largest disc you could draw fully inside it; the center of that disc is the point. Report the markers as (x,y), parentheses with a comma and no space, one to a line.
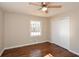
(54,6)
(36,4)
(40,8)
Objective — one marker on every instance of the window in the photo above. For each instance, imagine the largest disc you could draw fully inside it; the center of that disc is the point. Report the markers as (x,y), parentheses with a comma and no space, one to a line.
(35,28)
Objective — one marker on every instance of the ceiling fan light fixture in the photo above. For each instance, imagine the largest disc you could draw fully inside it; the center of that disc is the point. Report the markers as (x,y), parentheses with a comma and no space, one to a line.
(44,9)
(43,3)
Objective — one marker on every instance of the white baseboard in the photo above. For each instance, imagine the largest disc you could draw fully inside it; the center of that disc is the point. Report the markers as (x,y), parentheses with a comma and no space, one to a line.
(2,52)
(24,45)
(68,49)
(74,52)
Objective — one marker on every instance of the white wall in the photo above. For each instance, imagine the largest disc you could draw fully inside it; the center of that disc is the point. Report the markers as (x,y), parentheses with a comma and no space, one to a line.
(1,32)
(73,28)
(17,30)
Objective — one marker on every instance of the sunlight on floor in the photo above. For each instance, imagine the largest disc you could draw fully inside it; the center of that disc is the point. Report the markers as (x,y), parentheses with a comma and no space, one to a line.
(48,55)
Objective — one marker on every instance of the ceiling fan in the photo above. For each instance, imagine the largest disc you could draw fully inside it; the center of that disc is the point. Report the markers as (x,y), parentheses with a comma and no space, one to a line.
(45,5)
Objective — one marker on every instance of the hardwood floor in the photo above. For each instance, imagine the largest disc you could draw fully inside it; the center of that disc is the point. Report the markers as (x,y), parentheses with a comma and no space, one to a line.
(38,50)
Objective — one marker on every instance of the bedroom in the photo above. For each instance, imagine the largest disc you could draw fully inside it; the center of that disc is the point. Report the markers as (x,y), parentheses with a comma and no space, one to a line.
(31,31)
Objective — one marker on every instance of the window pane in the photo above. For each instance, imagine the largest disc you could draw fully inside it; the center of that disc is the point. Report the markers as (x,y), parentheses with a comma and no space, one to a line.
(35,28)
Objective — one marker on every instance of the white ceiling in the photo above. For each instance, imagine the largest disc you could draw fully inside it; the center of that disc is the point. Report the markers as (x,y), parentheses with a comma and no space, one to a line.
(26,8)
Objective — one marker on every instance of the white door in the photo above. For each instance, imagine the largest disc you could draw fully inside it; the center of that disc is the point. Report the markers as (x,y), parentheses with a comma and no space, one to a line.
(60,32)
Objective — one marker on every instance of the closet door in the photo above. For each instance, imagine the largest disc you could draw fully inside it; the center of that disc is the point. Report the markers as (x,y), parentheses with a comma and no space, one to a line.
(60,32)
